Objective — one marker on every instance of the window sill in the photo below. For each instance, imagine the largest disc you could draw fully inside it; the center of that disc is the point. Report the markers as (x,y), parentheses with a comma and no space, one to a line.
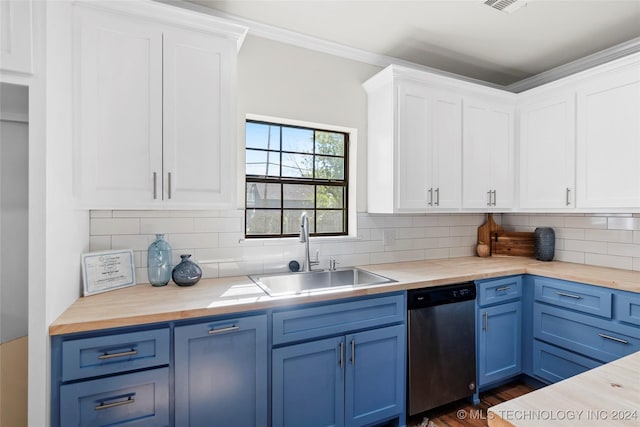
(289,240)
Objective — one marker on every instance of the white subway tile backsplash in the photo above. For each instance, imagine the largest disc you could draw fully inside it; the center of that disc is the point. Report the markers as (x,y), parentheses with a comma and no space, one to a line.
(111,226)
(216,241)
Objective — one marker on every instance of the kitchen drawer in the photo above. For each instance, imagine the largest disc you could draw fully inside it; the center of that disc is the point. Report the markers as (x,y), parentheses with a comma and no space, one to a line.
(588,335)
(554,364)
(499,290)
(627,308)
(139,398)
(576,296)
(110,354)
(320,321)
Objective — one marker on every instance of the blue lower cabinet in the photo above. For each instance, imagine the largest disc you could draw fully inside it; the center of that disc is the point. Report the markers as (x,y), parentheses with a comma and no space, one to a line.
(351,380)
(135,399)
(221,373)
(499,333)
(308,384)
(554,364)
(375,373)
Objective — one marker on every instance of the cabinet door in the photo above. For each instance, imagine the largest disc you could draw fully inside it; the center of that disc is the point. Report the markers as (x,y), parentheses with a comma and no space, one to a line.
(308,384)
(608,131)
(413,170)
(16,23)
(375,372)
(221,373)
(499,342)
(502,159)
(118,142)
(199,142)
(547,153)
(446,151)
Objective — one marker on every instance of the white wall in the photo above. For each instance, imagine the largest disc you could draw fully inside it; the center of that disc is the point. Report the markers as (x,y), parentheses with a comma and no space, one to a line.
(280,80)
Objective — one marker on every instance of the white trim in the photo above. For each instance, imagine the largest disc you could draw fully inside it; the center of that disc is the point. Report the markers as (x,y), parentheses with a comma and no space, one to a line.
(294,38)
(14,117)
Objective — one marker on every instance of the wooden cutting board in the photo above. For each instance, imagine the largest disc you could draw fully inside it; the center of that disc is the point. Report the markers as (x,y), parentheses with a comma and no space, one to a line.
(492,239)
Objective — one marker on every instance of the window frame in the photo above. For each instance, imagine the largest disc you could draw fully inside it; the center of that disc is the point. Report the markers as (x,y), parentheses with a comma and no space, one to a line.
(345,183)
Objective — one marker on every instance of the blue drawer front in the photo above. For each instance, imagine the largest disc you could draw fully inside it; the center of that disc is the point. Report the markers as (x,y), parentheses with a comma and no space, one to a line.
(576,296)
(137,399)
(601,339)
(499,290)
(628,308)
(554,364)
(110,354)
(307,323)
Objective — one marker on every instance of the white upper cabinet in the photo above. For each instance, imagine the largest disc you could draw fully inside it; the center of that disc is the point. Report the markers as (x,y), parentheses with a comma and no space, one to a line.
(487,153)
(16,38)
(547,151)
(608,139)
(155,112)
(414,145)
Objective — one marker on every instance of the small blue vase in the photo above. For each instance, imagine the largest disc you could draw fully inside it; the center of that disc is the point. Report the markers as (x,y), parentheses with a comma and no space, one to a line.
(159,261)
(187,273)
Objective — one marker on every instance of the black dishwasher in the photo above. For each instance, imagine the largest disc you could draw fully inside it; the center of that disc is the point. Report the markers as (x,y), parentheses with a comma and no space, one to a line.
(441,346)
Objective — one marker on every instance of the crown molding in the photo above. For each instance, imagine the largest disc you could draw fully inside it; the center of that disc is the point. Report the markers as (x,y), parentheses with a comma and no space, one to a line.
(294,38)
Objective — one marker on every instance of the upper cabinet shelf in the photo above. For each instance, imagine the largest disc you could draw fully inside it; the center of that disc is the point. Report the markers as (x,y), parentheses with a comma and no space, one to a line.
(155,107)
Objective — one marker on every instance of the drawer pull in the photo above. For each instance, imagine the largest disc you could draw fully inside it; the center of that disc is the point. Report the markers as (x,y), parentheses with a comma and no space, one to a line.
(223,330)
(608,337)
(564,294)
(108,356)
(102,405)
(504,288)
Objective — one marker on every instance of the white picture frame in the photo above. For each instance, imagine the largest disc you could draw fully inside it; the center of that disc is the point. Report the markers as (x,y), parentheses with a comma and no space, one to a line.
(107,270)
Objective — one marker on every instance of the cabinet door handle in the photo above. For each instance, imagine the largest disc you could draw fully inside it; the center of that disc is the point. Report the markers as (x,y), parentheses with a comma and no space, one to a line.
(485,321)
(341,356)
(108,356)
(608,337)
(169,184)
(489,202)
(353,352)
(495,198)
(438,196)
(564,294)
(568,196)
(430,203)
(155,186)
(504,288)
(214,331)
(102,405)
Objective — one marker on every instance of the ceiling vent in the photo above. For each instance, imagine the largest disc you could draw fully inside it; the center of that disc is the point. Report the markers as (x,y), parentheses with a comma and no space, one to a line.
(507,6)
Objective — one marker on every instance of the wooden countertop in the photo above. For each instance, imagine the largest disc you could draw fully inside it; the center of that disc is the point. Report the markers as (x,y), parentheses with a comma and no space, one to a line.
(605,396)
(144,303)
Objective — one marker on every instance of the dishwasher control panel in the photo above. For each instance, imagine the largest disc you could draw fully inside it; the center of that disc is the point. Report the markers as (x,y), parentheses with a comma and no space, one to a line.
(439,295)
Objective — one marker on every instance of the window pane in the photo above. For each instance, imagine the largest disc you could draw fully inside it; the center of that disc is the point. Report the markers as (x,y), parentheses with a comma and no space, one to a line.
(261,135)
(291,223)
(330,197)
(297,165)
(262,163)
(262,222)
(298,196)
(262,195)
(330,221)
(329,167)
(299,140)
(330,143)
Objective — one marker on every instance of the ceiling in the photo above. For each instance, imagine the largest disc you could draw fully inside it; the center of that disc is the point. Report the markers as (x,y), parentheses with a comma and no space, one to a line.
(464,37)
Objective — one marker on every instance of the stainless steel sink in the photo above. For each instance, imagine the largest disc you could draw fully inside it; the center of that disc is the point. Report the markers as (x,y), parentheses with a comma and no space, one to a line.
(294,283)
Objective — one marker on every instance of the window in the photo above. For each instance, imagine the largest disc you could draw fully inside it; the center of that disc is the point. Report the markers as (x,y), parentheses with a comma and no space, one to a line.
(291,170)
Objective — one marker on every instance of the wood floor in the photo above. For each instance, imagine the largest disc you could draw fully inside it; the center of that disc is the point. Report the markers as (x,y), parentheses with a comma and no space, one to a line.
(464,414)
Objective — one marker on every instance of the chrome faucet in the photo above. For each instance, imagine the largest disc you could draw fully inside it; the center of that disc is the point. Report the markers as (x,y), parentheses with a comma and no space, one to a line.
(304,238)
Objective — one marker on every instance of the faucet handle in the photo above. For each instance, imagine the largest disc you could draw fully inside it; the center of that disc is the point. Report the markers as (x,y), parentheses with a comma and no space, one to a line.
(317,260)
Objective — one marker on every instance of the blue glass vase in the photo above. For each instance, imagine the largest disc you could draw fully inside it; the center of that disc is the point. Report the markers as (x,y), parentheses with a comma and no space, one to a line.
(159,261)
(187,273)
